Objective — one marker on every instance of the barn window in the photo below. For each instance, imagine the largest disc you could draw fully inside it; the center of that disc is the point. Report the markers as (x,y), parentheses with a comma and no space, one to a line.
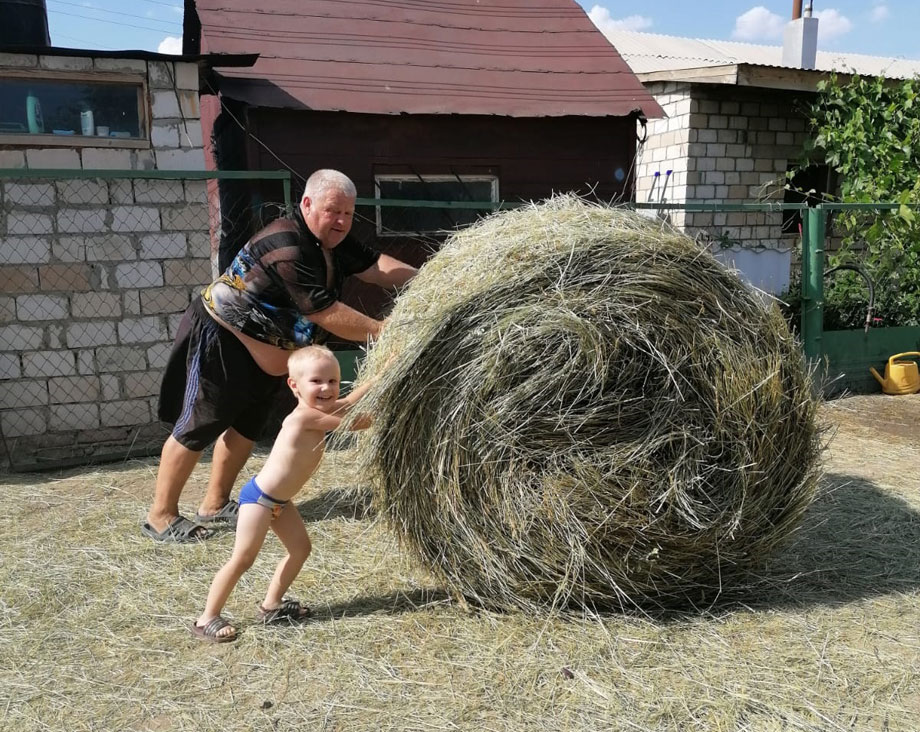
(72,109)
(430,218)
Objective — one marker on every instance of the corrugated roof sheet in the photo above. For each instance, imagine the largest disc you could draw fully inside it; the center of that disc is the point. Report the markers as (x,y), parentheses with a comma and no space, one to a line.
(648,52)
(527,58)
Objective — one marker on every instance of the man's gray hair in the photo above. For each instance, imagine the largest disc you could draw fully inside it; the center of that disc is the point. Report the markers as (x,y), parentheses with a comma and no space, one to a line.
(326,180)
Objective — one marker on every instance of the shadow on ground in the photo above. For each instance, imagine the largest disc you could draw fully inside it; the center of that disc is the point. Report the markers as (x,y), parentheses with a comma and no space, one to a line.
(856,541)
(392,603)
(347,503)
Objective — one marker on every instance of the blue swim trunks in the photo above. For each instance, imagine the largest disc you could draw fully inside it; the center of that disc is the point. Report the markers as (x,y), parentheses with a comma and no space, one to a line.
(251,493)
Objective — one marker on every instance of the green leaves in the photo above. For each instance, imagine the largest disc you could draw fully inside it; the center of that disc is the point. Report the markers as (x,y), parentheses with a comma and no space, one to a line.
(868,130)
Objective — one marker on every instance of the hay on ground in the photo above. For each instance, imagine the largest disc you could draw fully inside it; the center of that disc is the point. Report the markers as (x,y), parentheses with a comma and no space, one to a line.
(577,407)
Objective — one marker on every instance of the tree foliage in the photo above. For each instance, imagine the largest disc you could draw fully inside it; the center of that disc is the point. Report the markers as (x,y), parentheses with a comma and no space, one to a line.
(868,130)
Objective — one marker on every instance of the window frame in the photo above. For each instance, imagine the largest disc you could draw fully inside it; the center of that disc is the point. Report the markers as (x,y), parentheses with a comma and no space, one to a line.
(37,140)
(428,178)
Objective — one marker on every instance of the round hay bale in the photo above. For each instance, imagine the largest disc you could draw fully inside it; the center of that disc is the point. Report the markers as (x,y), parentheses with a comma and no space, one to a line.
(577,407)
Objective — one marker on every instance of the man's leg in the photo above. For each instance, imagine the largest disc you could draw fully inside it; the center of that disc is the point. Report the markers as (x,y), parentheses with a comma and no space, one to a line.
(231,451)
(176,465)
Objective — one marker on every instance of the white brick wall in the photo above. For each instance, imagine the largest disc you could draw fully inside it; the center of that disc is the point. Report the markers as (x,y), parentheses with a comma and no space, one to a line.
(48,363)
(164,246)
(80,220)
(141,330)
(24,250)
(91,333)
(139,274)
(86,314)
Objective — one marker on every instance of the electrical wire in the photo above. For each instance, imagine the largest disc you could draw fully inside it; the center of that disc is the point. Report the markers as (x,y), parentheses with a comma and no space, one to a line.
(53,12)
(114,12)
(94,44)
(426,241)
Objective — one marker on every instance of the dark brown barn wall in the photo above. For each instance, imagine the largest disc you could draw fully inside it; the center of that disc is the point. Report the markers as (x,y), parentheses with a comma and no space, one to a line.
(532,158)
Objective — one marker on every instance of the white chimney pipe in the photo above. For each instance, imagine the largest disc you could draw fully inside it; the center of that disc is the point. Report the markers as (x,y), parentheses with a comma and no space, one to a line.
(800,39)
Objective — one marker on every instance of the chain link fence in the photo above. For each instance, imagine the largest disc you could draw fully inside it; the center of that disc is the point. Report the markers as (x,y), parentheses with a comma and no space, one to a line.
(97,268)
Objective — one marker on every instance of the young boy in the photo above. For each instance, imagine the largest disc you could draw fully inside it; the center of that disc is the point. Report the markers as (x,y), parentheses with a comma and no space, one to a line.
(265,501)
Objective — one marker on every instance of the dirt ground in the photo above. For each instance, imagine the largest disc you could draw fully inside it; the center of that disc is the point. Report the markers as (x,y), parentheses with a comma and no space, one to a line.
(94,620)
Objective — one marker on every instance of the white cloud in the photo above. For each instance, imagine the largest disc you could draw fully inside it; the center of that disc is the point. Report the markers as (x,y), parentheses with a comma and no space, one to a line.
(758,24)
(600,16)
(880,13)
(170,44)
(832,24)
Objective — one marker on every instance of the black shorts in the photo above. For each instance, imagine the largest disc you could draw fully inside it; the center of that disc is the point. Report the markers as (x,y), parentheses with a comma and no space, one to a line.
(211,383)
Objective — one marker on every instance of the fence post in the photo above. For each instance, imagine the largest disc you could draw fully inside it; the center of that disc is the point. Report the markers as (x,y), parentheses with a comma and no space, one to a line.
(815,225)
(286,182)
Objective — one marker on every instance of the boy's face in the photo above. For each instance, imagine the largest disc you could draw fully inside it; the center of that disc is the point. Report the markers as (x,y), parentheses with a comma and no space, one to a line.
(316,382)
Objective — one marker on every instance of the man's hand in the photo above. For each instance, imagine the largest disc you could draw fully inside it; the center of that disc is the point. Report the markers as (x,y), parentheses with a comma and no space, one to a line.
(388,271)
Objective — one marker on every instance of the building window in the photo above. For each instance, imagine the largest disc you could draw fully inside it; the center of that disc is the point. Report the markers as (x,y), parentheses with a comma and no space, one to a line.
(808,185)
(413,220)
(101,110)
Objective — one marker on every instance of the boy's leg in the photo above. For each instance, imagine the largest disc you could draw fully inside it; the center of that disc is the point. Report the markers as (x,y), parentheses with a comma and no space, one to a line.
(231,451)
(251,528)
(293,534)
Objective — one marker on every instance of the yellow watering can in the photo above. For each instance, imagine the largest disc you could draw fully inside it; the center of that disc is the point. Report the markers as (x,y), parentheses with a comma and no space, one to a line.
(901,377)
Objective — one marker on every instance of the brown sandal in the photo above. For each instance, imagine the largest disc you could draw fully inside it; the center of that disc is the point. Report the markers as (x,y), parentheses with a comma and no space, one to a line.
(209,631)
(290,611)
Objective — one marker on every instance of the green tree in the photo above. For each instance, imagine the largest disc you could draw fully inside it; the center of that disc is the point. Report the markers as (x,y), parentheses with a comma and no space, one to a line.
(868,130)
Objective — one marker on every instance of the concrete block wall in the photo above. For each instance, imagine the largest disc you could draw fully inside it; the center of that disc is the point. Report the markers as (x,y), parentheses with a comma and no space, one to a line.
(732,145)
(94,276)
(741,146)
(661,170)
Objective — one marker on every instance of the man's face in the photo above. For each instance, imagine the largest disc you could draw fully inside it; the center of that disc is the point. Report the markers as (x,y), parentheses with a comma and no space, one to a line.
(329,216)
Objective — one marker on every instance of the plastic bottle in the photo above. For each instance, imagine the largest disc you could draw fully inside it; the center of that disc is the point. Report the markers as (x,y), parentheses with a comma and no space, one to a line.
(34,114)
(86,122)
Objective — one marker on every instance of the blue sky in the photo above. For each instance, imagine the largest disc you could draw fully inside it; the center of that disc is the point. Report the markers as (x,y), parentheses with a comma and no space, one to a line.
(877,27)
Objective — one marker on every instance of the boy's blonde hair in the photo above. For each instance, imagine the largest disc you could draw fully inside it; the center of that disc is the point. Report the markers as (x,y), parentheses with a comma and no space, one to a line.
(302,355)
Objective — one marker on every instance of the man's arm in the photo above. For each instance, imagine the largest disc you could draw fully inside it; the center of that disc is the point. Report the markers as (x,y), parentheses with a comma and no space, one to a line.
(346,322)
(387,271)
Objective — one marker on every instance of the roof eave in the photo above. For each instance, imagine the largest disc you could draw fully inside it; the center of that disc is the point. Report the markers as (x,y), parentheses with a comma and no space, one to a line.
(752,75)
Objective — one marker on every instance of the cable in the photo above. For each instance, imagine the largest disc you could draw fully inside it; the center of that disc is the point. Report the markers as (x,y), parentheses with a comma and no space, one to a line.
(94,44)
(424,241)
(114,12)
(112,22)
(172,80)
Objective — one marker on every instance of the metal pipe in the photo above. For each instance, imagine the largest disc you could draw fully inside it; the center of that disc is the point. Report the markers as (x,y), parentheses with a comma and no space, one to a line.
(796,9)
(815,223)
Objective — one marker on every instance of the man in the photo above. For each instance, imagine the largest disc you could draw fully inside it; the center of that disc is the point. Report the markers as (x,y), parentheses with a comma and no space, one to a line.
(280,293)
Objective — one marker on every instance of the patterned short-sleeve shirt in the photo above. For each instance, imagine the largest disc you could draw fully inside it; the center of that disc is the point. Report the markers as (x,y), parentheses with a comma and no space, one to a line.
(279,278)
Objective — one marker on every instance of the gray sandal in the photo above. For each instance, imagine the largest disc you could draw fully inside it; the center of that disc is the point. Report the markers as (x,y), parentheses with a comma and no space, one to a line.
(179,531)
(227,515)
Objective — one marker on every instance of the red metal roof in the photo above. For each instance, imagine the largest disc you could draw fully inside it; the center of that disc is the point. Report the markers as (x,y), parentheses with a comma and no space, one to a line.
(519,58)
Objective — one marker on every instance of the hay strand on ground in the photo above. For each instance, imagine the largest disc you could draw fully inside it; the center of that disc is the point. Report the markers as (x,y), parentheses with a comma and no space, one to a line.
(577,407)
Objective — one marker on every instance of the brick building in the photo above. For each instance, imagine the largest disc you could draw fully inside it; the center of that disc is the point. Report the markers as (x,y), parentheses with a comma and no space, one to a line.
(736,123)
(95,271)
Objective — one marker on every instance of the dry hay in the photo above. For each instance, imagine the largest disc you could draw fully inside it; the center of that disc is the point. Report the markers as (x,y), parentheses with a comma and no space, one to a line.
(579,408)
